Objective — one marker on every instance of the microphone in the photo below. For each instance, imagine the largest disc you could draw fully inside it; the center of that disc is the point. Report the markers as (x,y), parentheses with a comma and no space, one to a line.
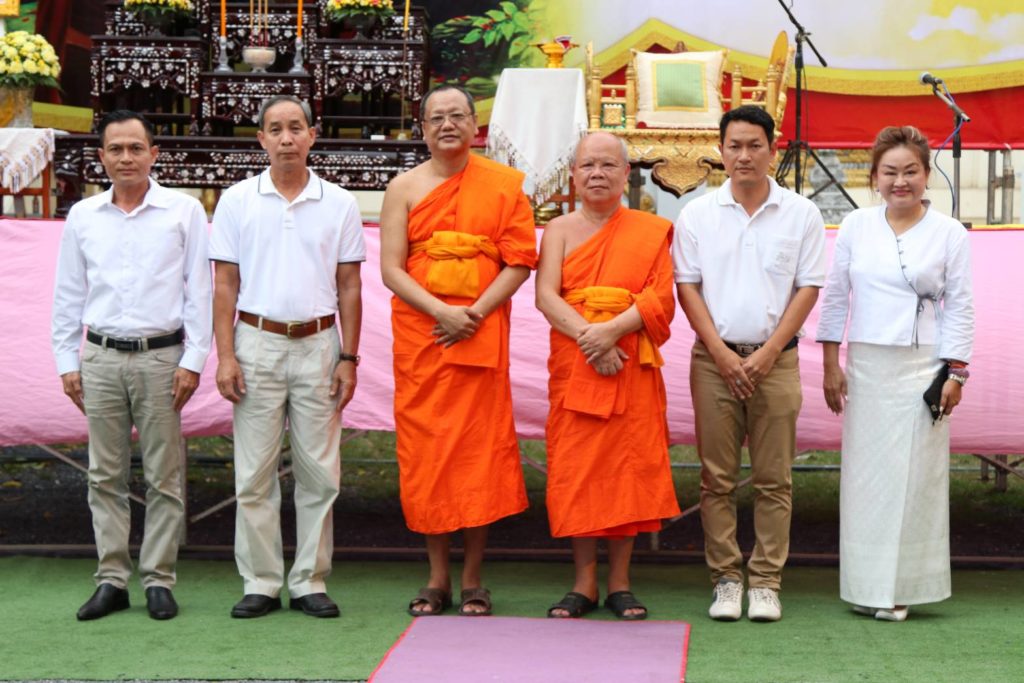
(927,79)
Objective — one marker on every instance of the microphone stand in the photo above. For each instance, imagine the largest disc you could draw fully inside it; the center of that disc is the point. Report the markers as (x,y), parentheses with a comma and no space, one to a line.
(796,147)
(959,119)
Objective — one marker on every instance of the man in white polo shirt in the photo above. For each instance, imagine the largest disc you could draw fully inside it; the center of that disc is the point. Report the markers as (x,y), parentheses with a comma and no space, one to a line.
(133,269)
(287,247)
(749,261)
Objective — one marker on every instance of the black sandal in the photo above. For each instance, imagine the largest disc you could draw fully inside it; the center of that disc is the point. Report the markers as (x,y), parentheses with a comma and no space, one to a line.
(575,604)
(621,601)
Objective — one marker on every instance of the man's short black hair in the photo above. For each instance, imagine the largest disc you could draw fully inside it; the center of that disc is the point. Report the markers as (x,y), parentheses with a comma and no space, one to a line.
(121,115)
(442,88)
(748,113)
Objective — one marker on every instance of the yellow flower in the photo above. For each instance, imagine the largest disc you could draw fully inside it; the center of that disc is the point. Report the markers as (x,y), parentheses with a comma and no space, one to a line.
(31,68)
(3,67)
(15,68)
(10,53)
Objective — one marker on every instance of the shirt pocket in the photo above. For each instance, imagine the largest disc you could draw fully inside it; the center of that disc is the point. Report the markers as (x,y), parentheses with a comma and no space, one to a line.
(781,255)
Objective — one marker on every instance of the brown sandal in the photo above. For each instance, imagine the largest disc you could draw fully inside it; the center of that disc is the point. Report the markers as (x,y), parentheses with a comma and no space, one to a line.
(481,596)
(436,599)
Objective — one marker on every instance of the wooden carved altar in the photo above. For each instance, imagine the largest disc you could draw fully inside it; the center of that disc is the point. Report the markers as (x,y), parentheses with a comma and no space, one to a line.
(355,88)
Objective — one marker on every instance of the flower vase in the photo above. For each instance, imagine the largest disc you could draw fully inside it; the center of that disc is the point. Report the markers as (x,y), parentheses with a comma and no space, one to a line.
(361,23)
(16,107)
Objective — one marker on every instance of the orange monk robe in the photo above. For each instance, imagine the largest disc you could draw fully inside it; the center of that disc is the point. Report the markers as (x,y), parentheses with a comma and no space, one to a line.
(458,456)
(607,437)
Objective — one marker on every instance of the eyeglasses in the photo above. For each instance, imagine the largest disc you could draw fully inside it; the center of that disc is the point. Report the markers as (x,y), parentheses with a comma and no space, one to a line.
(457,118)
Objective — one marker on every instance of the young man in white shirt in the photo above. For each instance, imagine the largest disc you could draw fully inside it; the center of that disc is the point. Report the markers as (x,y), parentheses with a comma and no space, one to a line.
(133,269)
(287,248)
(749,261)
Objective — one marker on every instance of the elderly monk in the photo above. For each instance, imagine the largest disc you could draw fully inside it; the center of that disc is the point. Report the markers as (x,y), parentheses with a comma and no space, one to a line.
(457,241)
(605,285)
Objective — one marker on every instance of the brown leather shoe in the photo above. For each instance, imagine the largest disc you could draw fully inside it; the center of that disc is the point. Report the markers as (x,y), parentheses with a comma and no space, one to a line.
(107,598)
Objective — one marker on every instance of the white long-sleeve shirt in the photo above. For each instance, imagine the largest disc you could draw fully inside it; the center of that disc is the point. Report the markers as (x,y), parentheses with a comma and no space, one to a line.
(131,275)
(868,284)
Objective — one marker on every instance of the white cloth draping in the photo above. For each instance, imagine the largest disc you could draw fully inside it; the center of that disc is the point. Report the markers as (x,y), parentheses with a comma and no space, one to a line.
(894,487)
(538,118)
(24,153)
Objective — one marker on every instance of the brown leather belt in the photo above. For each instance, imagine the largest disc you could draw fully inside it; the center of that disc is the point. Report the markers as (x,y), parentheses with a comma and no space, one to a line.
(292,330)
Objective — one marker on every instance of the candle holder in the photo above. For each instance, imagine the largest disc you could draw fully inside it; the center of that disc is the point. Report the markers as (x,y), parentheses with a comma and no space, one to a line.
(297,66)
(222,58)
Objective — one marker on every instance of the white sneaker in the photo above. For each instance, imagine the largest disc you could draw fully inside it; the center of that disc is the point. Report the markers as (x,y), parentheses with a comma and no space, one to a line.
(867,611)
(764,605)
(728,602)
(894,614)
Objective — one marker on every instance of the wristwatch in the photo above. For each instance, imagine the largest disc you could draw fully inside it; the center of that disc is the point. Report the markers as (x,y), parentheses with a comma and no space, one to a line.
(349,357)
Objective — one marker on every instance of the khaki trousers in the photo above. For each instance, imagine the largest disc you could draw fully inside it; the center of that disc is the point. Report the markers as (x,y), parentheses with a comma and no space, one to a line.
(122,389)
(286,379)
(768,421)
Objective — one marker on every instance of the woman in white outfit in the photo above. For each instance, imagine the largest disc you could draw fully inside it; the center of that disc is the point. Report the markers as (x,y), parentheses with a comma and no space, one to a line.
(900,290)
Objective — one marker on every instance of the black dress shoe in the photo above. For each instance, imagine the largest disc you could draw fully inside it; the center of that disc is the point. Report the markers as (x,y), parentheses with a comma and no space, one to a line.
(315,605)
(255,605)
(160,603)
(107,598)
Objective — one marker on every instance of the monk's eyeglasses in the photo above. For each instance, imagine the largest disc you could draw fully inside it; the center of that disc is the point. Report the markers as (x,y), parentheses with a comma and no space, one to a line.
(457,118)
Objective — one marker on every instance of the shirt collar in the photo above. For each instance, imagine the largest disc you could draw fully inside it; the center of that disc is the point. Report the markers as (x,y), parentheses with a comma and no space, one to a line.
(156,196)
(314,189)
(725,197)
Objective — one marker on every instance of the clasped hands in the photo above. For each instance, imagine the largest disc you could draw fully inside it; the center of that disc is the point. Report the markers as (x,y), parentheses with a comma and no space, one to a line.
(743,374)
(455,323)
(598,344)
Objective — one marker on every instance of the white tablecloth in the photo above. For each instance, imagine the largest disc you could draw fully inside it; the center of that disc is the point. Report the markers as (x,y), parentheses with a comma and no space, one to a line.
(538,118)
(24,153)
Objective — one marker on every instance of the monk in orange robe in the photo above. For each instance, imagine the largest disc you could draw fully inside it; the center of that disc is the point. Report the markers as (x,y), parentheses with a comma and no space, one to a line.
(457,241)
(605,284)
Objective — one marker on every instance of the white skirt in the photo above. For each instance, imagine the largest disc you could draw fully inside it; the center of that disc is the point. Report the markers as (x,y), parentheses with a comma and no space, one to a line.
(894,489)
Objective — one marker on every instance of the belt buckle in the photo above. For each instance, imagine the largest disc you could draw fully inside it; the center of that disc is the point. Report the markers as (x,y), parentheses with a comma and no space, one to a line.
(294,325)
(747,349)
(124,344)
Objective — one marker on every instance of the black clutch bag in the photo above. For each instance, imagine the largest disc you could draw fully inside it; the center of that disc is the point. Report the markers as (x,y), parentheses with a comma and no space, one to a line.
(933,394)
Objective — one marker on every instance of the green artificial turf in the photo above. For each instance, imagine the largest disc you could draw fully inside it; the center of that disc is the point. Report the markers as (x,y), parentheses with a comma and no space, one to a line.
(972,637)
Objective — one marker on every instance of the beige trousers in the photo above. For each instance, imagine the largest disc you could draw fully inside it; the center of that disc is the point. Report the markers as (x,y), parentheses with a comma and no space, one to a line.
(122,389)
(768,421)
(286,379)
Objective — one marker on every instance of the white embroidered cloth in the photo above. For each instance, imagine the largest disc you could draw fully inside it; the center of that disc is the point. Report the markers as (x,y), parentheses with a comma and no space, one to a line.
(24,153)
(538,118)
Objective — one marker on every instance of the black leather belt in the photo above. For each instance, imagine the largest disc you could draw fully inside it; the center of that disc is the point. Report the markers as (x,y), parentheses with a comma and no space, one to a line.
(141,344)
(747,349)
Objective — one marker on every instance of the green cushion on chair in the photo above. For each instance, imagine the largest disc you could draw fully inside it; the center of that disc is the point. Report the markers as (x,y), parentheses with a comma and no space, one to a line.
(679,86)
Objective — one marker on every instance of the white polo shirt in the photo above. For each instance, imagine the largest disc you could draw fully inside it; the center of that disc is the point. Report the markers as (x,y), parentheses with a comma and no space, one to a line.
(287,252)
(749,266)
(133,274)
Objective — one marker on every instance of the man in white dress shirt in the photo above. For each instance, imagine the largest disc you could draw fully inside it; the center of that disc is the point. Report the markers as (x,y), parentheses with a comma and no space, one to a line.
(287,248)
(133,269)
(749,261)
